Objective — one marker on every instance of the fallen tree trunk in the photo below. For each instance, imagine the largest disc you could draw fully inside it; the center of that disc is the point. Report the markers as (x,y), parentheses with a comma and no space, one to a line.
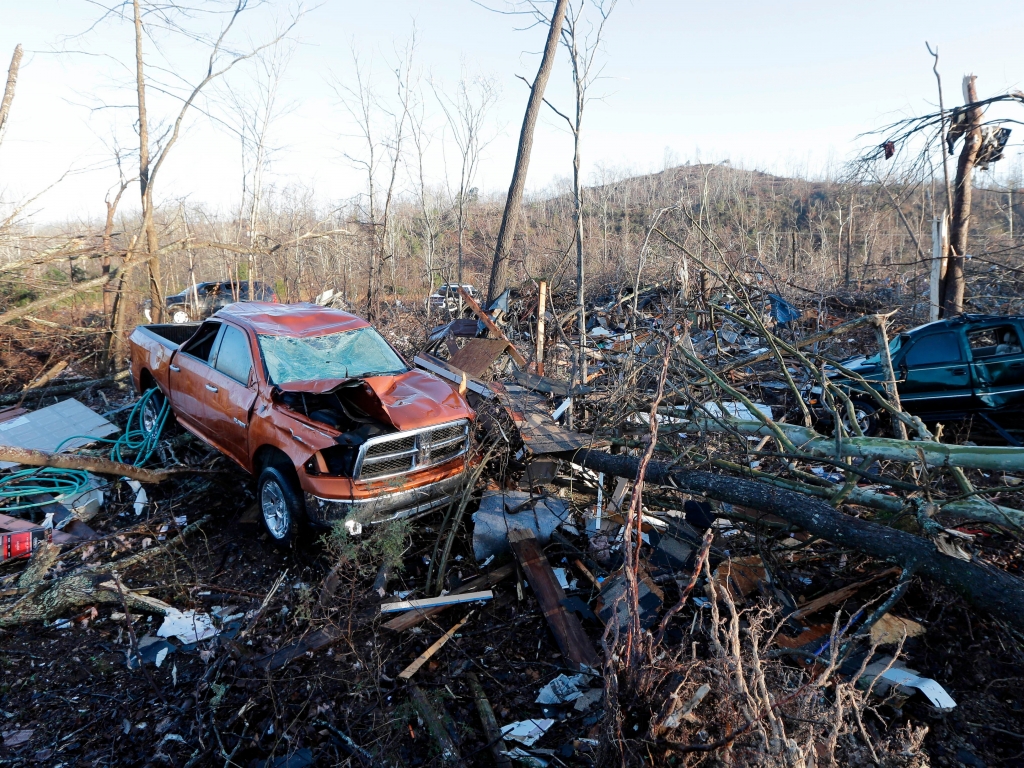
(984,586)
(34,458)
(994,458)
(89,585)
(30,309)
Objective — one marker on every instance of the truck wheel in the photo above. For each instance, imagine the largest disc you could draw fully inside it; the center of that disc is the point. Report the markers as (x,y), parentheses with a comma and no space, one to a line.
(151,412)
(281,505)
(867,419)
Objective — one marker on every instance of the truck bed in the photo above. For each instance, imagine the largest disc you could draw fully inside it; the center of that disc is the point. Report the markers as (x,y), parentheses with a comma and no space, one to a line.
(171,334)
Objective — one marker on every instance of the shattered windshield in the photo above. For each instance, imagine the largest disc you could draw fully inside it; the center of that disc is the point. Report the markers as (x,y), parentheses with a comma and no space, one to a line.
(356,354)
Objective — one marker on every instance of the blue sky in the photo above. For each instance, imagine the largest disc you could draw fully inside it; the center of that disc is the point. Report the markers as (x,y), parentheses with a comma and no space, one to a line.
(783,87)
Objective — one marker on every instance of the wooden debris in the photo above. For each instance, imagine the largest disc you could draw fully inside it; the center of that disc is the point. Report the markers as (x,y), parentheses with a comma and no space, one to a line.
(838,596)
(486,319)
(449,751)
(34,458)
(491,729)
(424,657)
(435,602)
(314,641)
(414,617)
(46,377)
(477,355)
(572,640)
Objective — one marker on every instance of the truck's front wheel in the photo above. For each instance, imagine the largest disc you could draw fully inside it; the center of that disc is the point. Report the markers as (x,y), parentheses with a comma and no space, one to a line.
(281,505)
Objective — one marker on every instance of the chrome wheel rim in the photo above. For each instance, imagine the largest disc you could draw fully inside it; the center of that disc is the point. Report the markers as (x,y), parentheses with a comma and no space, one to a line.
(275,511)
(149,415)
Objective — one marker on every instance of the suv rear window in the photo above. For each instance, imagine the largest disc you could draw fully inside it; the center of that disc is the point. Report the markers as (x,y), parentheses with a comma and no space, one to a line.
(994,342)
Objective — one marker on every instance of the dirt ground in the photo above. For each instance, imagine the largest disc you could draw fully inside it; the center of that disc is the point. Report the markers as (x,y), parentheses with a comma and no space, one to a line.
(70,687)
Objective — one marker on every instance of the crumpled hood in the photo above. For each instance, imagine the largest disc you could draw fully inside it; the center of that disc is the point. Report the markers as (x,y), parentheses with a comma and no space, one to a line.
(417,399)
(409,400)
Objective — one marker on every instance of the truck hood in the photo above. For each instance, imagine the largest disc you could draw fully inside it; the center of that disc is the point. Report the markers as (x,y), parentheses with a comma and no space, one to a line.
(863,365)
(409,400)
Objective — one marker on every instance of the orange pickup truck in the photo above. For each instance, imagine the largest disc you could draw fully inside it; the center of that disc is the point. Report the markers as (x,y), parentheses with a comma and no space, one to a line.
(315,404)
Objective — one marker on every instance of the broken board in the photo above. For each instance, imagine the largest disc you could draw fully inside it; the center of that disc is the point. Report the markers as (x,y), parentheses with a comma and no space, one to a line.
(477,355)
(540,433)
(565,626)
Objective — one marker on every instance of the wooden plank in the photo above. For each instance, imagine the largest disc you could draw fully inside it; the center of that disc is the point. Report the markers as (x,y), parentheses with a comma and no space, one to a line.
(424,657)
(477,355)
(448,372)
(412,618)
(311,642)
(490,723)
(844,593)
(435,602)
(486,319)
(568,632)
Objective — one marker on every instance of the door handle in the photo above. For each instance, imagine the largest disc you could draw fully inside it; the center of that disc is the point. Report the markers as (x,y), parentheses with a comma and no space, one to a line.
(1016,365)
(212,388)
(176,369)
(958,371)
(239,422)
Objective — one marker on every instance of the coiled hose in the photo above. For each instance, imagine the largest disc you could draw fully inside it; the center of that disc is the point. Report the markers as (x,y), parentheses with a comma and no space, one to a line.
(137,438)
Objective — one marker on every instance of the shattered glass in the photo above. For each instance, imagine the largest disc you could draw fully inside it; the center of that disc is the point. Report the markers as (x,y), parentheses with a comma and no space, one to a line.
(350,354)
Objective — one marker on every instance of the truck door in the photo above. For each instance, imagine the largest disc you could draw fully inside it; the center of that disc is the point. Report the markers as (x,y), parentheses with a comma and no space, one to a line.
(997,360)
(226,419)
(935,376)
(188,377)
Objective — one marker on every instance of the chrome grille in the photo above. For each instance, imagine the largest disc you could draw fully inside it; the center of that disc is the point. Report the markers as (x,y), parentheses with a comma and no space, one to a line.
(403,452)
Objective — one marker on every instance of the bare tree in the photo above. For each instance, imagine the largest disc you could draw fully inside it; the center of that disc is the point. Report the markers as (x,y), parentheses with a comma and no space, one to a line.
(514,202)
(12,81)
(368,111)
(467,113)
(581,37)
(151,159)
(256,107)
(428,200)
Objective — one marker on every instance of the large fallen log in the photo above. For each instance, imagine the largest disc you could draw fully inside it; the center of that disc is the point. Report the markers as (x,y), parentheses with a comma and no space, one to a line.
(97,584)
(34,458)
(982,585)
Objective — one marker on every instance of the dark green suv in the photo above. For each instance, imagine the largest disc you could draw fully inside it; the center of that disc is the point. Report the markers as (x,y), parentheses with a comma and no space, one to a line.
(972,365)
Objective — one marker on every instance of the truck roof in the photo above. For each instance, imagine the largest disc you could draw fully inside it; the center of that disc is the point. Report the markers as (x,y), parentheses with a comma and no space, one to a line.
(302,319)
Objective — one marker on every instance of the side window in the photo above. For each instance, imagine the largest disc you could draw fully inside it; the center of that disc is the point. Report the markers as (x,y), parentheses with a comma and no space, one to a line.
(233,357)
(933,350)
(200,346)
(994,342)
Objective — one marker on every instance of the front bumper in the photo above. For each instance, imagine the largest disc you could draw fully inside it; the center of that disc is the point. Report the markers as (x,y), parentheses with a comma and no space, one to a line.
(387,506)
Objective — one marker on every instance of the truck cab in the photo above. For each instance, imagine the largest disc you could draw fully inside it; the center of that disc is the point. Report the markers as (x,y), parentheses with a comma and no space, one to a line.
(949,370)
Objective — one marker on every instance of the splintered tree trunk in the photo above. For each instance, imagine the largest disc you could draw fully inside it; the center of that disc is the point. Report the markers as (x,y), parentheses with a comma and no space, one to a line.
(514,203)
(12,80)
(986,587)
(960,225)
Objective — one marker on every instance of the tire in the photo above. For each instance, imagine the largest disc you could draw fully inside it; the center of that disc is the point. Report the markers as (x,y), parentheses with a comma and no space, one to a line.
(867,417)
(151,413)
(281,506)
(180,316)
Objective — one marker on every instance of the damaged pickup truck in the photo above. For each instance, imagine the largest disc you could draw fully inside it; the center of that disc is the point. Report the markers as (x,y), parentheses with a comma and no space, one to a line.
(316,405)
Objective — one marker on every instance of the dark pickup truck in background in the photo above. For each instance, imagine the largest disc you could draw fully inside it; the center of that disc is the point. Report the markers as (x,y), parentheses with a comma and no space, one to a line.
(972,365)
(204,299)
